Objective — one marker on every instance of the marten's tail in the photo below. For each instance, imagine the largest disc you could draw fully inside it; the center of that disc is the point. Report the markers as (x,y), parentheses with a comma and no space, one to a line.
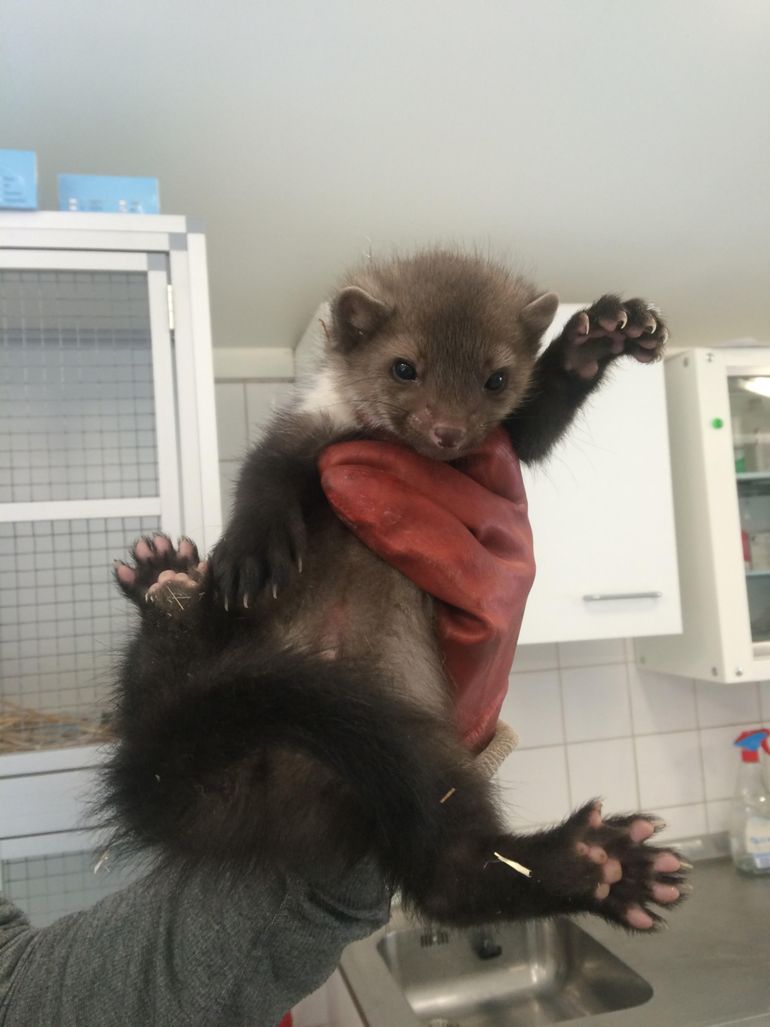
(304,762)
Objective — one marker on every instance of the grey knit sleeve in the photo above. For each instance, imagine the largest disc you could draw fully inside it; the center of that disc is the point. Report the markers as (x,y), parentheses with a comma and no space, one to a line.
(192,952)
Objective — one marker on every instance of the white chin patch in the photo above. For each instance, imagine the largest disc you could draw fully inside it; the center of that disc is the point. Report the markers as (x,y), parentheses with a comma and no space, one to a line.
(324,397)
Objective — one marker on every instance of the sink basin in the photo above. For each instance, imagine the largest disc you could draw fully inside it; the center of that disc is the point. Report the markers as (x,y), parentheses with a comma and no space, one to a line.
(509,975)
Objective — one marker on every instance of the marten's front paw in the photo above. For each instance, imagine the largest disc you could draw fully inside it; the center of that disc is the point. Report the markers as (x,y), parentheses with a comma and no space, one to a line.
(164,578)
(605,867)
(608,329)
(262,560)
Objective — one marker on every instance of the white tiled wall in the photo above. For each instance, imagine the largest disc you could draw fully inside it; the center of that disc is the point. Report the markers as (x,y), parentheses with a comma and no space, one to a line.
(243,408)
(590,721)
(593,723)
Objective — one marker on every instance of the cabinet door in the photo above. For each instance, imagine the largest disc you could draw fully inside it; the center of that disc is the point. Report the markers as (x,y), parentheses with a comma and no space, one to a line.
(722,490)
(602,518)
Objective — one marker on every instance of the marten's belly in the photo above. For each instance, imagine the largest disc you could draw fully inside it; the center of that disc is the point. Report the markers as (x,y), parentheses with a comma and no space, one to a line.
(349,603)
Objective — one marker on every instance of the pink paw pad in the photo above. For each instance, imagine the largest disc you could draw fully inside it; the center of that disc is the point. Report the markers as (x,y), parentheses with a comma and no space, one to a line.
(625,853)
(169,578)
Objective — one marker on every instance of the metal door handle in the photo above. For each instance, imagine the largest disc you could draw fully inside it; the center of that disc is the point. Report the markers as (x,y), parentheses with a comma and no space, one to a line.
(600,597)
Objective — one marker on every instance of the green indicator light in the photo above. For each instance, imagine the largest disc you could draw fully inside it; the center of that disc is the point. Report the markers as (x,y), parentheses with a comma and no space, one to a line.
(717,422)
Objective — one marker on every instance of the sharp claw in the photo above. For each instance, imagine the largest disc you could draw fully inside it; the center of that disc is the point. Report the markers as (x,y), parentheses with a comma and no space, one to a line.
(582,325)
(616,324)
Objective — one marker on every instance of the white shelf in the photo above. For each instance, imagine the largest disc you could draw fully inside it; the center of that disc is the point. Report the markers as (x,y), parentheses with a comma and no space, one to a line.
(753,476)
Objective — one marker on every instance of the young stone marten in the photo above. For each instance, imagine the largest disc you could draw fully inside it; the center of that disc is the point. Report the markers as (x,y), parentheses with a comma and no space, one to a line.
(246,734)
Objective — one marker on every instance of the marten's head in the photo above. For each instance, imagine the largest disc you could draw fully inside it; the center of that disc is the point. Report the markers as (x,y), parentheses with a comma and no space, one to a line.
(435,349)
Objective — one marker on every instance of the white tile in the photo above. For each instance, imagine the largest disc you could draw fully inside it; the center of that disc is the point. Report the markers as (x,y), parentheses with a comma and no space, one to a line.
(535,657)
(342,1010)
(532,785)
(231,420)
(726,704)
(533,708)
(721,760)
(718,815)
(228,476)
(682,822)
(262,398)
(660,702)
(312,1011)
(596,702)
(669,768)
(606,770)
(586,654)
(764,698)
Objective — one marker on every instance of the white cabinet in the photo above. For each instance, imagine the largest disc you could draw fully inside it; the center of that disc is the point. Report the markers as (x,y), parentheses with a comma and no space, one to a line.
(719,415)
(602,517)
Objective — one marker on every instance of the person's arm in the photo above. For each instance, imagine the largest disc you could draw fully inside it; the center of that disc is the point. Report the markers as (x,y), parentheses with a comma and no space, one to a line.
(183,954)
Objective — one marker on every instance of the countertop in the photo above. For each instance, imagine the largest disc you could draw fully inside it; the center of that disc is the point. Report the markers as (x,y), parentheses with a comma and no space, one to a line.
(711,968)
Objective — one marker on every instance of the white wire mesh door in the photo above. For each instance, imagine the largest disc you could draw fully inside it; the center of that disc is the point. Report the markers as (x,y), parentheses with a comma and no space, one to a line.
(88,461)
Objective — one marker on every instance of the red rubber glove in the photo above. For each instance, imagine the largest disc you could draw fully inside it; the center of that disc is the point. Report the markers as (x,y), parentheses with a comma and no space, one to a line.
(460,533)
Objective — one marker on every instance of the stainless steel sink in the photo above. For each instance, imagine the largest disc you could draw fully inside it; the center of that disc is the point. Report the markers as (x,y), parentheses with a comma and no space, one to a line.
(511,975)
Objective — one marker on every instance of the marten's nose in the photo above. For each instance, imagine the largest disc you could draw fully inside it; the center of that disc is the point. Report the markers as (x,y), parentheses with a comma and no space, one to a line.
(447,436)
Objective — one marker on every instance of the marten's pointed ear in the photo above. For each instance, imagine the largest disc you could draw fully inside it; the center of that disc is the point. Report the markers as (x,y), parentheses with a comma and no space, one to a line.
(538,314)
(356,315)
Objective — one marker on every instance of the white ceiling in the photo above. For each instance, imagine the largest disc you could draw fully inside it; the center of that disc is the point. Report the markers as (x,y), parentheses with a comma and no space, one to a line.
(597,145)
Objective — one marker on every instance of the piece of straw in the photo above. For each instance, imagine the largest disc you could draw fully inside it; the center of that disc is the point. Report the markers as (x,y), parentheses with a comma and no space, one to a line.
(512,863)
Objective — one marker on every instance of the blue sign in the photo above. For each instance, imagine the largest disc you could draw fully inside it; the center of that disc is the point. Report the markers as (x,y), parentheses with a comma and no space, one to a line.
(18,180)
(114,194)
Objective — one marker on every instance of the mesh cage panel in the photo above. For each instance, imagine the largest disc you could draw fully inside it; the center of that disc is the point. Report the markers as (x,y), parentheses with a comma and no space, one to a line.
(47,887)
(77,416)
(62,623)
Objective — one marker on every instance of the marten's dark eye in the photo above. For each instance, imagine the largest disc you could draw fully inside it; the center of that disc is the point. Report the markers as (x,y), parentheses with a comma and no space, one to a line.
(404,371)
(495,382)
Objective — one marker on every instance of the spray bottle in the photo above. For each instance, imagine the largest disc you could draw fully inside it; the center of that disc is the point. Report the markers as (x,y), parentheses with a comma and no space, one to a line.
(750,812)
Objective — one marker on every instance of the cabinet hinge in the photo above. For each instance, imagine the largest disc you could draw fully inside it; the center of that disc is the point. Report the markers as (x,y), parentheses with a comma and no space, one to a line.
(170,299)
